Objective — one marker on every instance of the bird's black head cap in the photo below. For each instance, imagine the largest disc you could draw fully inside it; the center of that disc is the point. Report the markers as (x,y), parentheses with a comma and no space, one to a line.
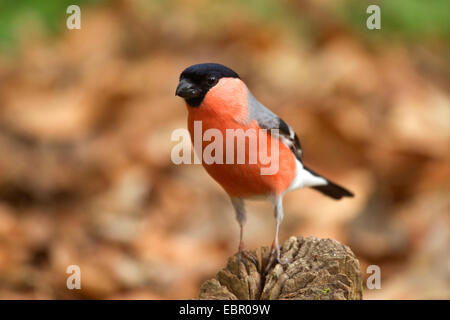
(196,80)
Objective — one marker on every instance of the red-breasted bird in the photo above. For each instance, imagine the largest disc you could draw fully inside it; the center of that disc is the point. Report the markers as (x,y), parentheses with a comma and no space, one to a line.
(216,96)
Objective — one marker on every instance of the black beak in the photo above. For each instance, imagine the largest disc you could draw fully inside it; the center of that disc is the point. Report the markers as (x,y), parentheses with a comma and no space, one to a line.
(186,90)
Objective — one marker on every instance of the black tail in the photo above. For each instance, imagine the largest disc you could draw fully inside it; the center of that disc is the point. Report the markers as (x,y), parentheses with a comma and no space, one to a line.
(331,189)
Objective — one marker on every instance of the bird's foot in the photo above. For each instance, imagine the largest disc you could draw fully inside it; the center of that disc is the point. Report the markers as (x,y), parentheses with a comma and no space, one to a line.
(275,257)
(248,255)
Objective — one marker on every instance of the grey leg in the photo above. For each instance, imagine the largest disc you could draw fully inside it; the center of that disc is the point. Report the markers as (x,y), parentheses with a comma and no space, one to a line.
(239,208)
(238,205)
(278,210)
(275,253)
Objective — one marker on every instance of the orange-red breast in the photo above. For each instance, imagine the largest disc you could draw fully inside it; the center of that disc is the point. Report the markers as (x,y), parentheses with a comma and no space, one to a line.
(218,99)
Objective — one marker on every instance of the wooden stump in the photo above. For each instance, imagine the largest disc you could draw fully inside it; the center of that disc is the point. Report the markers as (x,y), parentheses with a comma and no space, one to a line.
(318,269)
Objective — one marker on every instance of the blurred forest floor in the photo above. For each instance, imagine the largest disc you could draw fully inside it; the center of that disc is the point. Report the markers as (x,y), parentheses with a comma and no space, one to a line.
(85,140)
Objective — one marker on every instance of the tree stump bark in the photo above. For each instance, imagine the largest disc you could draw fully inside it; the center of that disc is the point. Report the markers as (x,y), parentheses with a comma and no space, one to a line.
(318,269)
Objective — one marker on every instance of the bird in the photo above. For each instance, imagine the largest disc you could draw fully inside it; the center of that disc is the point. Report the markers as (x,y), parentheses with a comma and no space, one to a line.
(216,97)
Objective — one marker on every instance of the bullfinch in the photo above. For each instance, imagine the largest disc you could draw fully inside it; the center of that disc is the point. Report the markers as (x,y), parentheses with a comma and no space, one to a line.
(218,99)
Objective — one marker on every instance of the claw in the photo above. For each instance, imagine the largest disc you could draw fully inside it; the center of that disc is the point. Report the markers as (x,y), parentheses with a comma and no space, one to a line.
(271,261)
(249,255)
(252,258)
(283,262)
(275,256)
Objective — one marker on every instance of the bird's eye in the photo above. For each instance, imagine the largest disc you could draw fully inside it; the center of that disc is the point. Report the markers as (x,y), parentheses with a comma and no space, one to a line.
(212,80)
